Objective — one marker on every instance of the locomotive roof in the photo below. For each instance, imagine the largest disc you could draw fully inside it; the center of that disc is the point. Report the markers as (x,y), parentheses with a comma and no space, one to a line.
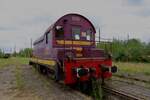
(70,15)
(52,26)
(39,39)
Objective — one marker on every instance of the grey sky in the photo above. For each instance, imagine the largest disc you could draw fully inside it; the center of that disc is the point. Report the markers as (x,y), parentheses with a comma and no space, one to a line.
(21,20)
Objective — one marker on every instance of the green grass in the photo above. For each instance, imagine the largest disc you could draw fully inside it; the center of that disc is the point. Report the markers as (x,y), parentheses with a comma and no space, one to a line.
(19,79)
(13,61)
(133,68)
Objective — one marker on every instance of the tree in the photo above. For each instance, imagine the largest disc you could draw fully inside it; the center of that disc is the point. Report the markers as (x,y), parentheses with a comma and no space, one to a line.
(25,52)
(130,50)
(1,53)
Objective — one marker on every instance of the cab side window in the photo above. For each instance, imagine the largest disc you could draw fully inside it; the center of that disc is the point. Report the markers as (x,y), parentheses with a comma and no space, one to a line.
(76,33)
(59,32)
(88,35)
(46,38)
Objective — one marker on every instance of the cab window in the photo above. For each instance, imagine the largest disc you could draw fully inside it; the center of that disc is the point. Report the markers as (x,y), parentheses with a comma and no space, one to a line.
(47,38)
(76,33)
(59,32)
(88,35)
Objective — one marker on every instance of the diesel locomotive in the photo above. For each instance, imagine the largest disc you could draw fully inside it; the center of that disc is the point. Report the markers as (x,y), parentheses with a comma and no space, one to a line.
(68,51)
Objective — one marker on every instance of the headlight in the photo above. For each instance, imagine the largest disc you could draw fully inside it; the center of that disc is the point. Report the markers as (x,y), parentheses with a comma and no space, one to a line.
(114,69)
(82,71)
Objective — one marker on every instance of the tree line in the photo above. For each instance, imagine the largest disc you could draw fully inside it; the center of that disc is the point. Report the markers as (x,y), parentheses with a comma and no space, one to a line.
(27,52)
(132,50)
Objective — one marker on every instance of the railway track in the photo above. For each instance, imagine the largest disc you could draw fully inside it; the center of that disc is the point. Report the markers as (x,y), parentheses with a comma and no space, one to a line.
(121,95)
(121,90)
(125,91)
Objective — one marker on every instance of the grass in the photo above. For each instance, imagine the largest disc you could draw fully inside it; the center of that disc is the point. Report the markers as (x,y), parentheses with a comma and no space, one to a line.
(16,63)
(97,92)
(133,68)
(19,78)
(12,61)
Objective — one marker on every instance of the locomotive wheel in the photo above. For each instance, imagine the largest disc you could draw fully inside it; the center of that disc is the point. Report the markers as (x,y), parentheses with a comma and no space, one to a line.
(38,68)
(30,63)
(88,87)
(34,65)
(43,70)
(85,87)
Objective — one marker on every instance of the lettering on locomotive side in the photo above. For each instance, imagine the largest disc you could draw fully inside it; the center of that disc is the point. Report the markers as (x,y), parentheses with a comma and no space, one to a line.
(69,42)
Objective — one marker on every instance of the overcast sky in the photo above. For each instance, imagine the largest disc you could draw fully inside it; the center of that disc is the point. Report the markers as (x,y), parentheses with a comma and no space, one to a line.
(21,20)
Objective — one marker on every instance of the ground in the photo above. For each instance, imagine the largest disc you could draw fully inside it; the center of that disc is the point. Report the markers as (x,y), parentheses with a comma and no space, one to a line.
(135,71)
(132,78)
(19,81)
(133,68)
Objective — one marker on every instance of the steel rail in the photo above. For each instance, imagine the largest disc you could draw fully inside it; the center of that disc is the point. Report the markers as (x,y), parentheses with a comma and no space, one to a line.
(122,94)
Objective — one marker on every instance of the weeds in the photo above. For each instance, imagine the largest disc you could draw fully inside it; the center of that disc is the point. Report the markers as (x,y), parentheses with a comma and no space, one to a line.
(97,92)
(133,68)
(12,61)
(19,78)
(15,61)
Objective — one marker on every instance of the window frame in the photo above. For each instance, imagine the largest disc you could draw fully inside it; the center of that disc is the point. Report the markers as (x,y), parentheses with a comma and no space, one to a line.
(62,34)
(46,36)
(74,32)
(90,33)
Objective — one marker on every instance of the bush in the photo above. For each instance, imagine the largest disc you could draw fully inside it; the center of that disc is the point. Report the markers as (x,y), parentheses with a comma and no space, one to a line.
(131,50)
(27,52)
(1,54)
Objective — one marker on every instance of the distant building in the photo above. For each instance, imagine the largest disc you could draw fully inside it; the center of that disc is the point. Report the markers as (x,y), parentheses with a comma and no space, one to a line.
(7,50)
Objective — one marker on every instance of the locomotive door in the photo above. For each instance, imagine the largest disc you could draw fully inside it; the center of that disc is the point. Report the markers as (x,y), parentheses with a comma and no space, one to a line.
(47,44)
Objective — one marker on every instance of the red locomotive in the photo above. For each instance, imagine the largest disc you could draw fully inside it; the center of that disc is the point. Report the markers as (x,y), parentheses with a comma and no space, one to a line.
(68,50)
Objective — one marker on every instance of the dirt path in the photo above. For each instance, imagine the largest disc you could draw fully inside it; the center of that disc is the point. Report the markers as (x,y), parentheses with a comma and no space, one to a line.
(22,82)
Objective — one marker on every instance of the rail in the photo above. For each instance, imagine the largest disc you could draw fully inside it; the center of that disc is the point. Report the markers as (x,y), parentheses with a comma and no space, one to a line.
(121,94)
(129,91)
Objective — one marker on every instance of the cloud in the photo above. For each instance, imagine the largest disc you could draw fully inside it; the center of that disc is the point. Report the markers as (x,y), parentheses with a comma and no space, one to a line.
(143,13)
(135,2)
(2,28)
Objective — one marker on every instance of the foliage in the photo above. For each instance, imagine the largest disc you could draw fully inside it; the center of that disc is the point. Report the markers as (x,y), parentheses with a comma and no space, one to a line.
(1,53)
(19,78)
(128,50)
(27,52)
(97,92)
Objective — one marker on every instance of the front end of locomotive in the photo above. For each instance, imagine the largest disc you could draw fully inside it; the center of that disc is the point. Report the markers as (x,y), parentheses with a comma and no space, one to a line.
(85,69)
(81,60)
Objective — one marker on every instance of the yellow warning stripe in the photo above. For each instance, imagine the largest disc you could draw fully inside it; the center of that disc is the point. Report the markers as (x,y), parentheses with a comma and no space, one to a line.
(44,61)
